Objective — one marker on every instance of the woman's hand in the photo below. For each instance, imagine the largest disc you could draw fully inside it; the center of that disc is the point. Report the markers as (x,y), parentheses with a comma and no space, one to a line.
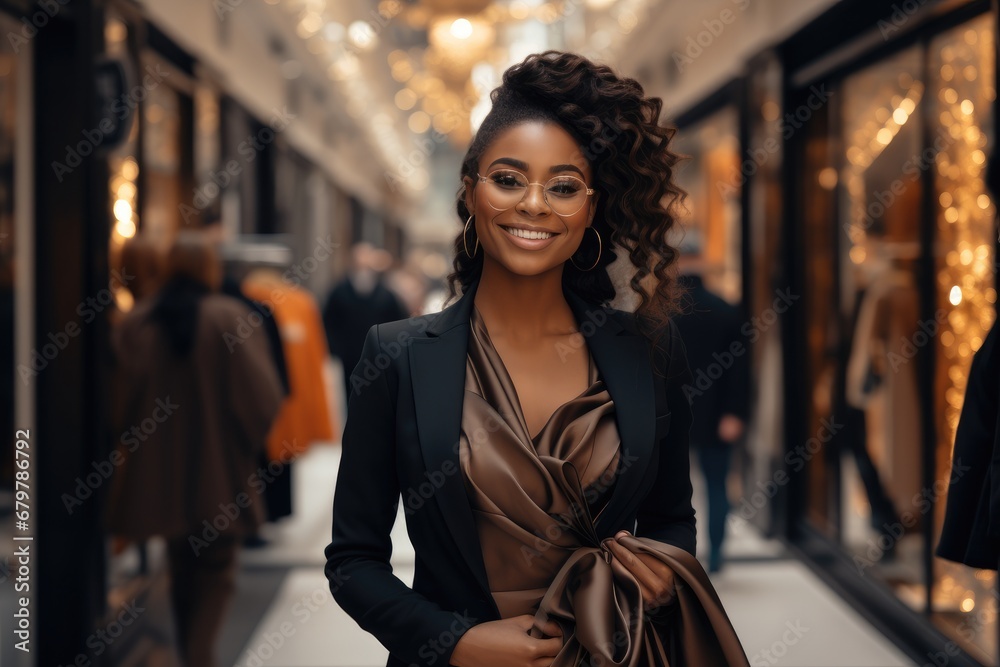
(656,580)
(506,643)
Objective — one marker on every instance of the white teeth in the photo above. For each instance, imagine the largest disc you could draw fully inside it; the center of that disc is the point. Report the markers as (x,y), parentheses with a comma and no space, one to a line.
(525,234)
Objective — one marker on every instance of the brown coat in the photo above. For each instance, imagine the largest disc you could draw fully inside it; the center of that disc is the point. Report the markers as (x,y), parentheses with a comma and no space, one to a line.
(192,428)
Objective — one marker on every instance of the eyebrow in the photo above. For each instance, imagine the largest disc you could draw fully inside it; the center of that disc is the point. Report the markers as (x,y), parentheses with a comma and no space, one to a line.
(523,166)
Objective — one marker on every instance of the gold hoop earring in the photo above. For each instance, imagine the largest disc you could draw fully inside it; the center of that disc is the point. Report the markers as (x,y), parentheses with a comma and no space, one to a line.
(465,231)
(600,248)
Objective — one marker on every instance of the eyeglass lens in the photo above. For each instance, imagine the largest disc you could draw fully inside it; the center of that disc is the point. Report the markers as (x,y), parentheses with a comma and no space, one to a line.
(564,194)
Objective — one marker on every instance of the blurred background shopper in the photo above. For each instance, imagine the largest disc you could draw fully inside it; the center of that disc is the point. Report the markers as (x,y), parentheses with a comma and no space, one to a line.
(358,301)
(200,399)
(710,327)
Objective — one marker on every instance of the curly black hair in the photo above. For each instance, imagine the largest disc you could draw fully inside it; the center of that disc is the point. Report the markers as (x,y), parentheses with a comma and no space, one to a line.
(619,133)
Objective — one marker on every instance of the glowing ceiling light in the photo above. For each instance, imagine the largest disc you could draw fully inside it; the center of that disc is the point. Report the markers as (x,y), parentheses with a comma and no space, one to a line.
(461,29)
(362,35)
(334,31)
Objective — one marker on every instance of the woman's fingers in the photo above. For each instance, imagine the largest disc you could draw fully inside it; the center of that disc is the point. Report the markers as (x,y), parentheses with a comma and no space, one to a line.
(641,573)
(550,628)
(548,648)
(656,580)
(524,621)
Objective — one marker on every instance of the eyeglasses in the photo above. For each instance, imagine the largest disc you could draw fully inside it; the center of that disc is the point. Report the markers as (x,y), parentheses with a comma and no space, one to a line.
(565,194)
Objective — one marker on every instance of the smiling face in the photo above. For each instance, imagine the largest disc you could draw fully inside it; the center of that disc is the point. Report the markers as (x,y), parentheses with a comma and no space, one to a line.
(530,237)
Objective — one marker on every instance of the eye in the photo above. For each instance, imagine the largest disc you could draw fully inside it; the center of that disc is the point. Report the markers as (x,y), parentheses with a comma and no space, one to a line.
(565,186)
(508,179)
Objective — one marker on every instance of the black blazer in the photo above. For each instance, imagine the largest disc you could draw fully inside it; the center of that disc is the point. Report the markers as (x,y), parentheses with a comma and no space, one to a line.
(401,442)
(971,530)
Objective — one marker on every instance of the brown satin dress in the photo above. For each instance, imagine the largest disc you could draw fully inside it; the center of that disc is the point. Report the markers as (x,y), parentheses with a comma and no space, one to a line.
(535,501)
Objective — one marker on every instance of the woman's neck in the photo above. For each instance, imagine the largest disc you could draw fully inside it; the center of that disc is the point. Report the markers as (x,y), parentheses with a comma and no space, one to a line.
(523,308)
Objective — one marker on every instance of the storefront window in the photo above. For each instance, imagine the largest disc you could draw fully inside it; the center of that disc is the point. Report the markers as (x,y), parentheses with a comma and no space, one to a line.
(763,163)
(712,179)
(880,212)
(962,72)
(892,190)
(161,153)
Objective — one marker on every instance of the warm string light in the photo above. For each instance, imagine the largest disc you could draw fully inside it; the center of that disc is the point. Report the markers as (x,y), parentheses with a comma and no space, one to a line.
(965,266)
(867,143)
(965,220)
(123,197)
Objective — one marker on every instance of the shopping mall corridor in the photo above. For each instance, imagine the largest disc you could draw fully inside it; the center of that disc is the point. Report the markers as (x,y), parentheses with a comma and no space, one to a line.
(283,614)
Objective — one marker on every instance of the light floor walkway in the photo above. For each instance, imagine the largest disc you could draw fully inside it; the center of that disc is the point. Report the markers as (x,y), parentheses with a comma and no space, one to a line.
(784,615)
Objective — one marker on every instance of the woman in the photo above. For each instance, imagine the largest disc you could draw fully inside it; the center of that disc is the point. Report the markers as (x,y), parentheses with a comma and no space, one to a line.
(529,428)
(199,400)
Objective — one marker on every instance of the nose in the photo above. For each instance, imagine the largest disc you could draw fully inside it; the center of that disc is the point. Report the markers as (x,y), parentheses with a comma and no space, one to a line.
(533,202)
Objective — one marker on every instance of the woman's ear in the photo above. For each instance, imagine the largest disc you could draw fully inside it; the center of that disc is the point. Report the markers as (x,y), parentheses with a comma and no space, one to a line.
(593,208)
(470,202)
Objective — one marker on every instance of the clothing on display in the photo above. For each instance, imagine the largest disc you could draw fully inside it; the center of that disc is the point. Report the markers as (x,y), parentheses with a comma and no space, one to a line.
(882,381)
(305,415)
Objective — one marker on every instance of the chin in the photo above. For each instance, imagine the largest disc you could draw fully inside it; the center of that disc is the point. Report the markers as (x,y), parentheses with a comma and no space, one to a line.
(528,266)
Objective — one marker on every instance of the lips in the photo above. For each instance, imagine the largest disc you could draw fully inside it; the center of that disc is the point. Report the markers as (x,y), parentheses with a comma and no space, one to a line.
(527,233)
(528,240)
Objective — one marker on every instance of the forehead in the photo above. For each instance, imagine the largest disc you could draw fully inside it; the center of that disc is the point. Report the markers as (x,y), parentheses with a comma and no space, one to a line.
(538,144)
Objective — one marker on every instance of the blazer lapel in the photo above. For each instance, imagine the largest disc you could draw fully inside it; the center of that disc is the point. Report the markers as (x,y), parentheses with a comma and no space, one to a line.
(437,365)
(624,362)
(437,370)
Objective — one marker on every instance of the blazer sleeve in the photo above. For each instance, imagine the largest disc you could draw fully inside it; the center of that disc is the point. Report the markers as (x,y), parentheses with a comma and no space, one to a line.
(666,514)
(364,510)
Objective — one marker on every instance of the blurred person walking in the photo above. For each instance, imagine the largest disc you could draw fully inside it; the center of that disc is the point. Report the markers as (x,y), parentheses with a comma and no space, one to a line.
(709,325)
(200,401)
(359,300)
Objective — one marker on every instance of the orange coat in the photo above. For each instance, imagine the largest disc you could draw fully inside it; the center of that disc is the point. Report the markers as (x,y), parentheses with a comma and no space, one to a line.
(305,414)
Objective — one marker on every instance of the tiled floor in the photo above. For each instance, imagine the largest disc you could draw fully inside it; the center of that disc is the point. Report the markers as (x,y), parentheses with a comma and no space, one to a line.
(784,615)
